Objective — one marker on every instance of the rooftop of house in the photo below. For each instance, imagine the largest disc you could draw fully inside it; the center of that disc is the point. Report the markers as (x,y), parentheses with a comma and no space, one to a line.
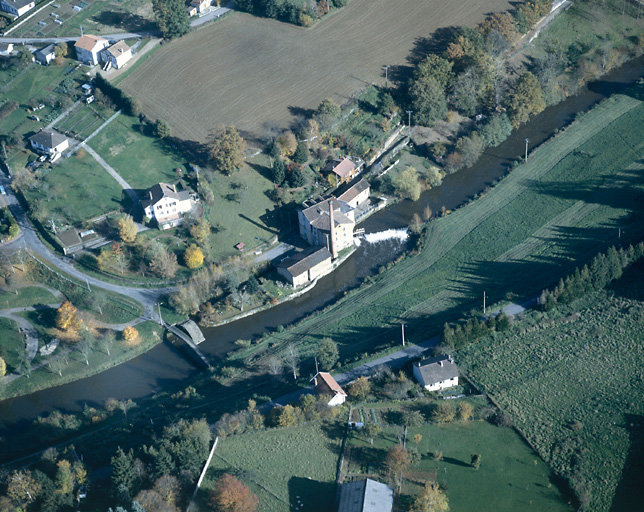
(325,383)
(318,214)
(366,496)
(437,369)
(47,50)
(19,3)
(354,191)
(342,167)
(89,42)
(118,49)
(48,138)
(303,261)
(161,190)
(5,47)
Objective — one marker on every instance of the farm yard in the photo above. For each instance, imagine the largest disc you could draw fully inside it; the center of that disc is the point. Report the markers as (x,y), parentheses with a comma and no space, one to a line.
(571,381)
(541,220)
(194,82)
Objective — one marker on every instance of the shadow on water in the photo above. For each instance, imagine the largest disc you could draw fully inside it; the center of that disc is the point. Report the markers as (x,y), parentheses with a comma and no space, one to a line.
(162,368)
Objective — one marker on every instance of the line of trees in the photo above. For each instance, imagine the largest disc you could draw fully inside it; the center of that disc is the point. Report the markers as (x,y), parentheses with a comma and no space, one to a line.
(123,101)
(290,11)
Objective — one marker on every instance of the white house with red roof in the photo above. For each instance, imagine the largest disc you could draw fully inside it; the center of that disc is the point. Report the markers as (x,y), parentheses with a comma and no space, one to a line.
(325,384)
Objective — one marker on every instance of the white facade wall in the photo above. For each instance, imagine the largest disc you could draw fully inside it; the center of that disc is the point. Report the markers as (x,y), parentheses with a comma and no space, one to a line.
(338,399)
(444,384)
(50,151)
(167,209)
(10,7)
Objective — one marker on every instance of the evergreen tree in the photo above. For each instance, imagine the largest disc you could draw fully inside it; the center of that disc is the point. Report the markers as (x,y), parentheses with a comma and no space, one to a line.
(301,155)
(163,463)
(279,171)
(123,472)
(172,17)
(296,178)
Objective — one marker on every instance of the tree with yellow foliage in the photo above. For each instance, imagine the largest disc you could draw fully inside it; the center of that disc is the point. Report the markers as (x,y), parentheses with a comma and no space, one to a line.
(130,333)
(3,367)
(67,318)
(127,229)
(193,256)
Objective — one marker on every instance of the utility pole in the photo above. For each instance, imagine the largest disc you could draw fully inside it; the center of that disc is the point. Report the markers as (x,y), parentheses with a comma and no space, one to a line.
(87,281)
(316,366)
(160,317)
(483,302)
(386,77)
(526,150)
(402,326)
(409,113)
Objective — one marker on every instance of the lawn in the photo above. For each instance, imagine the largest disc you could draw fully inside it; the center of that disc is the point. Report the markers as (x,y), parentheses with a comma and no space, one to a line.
(141,160)
(545,217)
(76,189)
(284,68)
(282,466)
(572,384)
(98,17)
(12,344)
(511,476)
(26,296)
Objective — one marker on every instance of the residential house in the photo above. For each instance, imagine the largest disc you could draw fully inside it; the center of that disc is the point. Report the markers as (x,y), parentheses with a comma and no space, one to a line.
(116,55)
(50,143)
(73,240)
(328,223)
(6,49)
(344,169)
(198,6)
(325,384)
(89,47)
(45,55)
(305,266)
(366,496)
(17,7)
(357,194)
(166,204)
(436,373)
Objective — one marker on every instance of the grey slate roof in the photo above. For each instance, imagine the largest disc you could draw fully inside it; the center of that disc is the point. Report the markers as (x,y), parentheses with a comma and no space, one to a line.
(48,138)
(303,261)
(355,190)
(161,190)
(18,3)
(437,369)
(318,214)
(43,52)
(366,496)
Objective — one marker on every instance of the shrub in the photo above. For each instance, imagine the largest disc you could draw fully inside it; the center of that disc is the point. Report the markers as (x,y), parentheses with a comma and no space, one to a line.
(130,333)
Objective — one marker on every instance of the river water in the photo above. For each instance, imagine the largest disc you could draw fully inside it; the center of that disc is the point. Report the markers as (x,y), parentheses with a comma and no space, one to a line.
(166,366)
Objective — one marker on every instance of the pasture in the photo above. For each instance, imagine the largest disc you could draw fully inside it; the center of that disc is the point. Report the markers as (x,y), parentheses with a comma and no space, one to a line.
(572,384)
(541,220)
(259,73)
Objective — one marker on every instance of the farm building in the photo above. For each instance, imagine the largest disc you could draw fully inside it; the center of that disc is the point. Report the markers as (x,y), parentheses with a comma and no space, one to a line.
(45,55)
(198,6)
(325,384)
(116,55)
(6,49)
(357,194)
(89,47)
(366,496)
(50,143)
(306,266)
(344,169)
(436,373)
(17,7)
(328,223)
(166,204)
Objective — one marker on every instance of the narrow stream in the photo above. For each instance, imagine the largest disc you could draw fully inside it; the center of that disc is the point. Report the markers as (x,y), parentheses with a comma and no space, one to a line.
(165,366)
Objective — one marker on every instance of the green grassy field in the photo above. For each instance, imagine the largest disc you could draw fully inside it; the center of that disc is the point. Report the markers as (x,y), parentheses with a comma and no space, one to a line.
(583,363)
(77,189)
(140,160)
(546,216)
(280,465)
(12,343)
(26,296)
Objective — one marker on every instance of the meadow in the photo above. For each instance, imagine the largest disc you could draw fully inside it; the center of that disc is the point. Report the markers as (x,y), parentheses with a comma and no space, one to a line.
(545,217)
(571,381)
(194,82)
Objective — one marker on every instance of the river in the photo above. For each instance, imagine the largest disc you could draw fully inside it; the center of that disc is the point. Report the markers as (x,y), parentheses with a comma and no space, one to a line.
(165,367)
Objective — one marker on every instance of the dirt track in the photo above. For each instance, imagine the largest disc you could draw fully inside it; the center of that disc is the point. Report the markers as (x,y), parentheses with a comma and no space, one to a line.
(255,72)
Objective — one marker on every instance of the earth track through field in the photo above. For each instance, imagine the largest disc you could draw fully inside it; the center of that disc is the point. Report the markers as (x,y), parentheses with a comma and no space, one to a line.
(257,73)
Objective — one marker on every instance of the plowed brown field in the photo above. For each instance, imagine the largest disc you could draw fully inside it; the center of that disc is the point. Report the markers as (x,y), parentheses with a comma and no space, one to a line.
(253,72)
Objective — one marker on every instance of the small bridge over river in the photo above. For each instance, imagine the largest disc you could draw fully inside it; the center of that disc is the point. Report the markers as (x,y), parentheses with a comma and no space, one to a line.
(191,335)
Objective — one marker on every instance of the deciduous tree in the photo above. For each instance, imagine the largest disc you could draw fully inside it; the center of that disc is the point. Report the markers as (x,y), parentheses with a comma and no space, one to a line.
(172,17)
(231,495)
(430,499)
(127,229)
(359,389)
(193,256)
(406,185)
(327,113)
(227,150)
(396,462)
(327,353)
(428,101)
(130,333)
(525,99)
(287,143)
(22,488)
(3,367)
(437,68)
(67,317)
(162,129)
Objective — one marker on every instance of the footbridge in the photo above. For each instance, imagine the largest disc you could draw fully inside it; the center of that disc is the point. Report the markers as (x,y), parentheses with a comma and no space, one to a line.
(191,335)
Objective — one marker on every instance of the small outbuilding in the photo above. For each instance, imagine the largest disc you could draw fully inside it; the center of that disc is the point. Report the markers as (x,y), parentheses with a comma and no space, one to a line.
(436,373)
(6,49)
(366,496)
(45,55)
(305,266)
(344,169)
(325,384)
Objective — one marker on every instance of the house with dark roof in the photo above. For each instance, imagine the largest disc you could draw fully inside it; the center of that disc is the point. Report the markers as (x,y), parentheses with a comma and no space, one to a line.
(328,223)
(303,267)
(116,55)
(50,143)
(89,47)
(167,204)
(366,496)
(436,373)
(343,169)
(356,194)
(325,384)
(45,55)
(17,7)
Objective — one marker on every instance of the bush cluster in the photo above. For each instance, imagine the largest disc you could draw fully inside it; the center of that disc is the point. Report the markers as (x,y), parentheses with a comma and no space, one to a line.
(117,96)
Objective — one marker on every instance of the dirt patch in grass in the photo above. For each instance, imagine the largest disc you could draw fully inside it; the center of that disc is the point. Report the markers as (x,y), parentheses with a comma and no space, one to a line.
(255,72)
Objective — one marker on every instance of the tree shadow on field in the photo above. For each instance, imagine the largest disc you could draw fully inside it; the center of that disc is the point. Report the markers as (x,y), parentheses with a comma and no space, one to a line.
(456,462)
(193,151)
(630,492)
(125,20)
(311,495)
(435,43)
(631,284)
(301,111)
